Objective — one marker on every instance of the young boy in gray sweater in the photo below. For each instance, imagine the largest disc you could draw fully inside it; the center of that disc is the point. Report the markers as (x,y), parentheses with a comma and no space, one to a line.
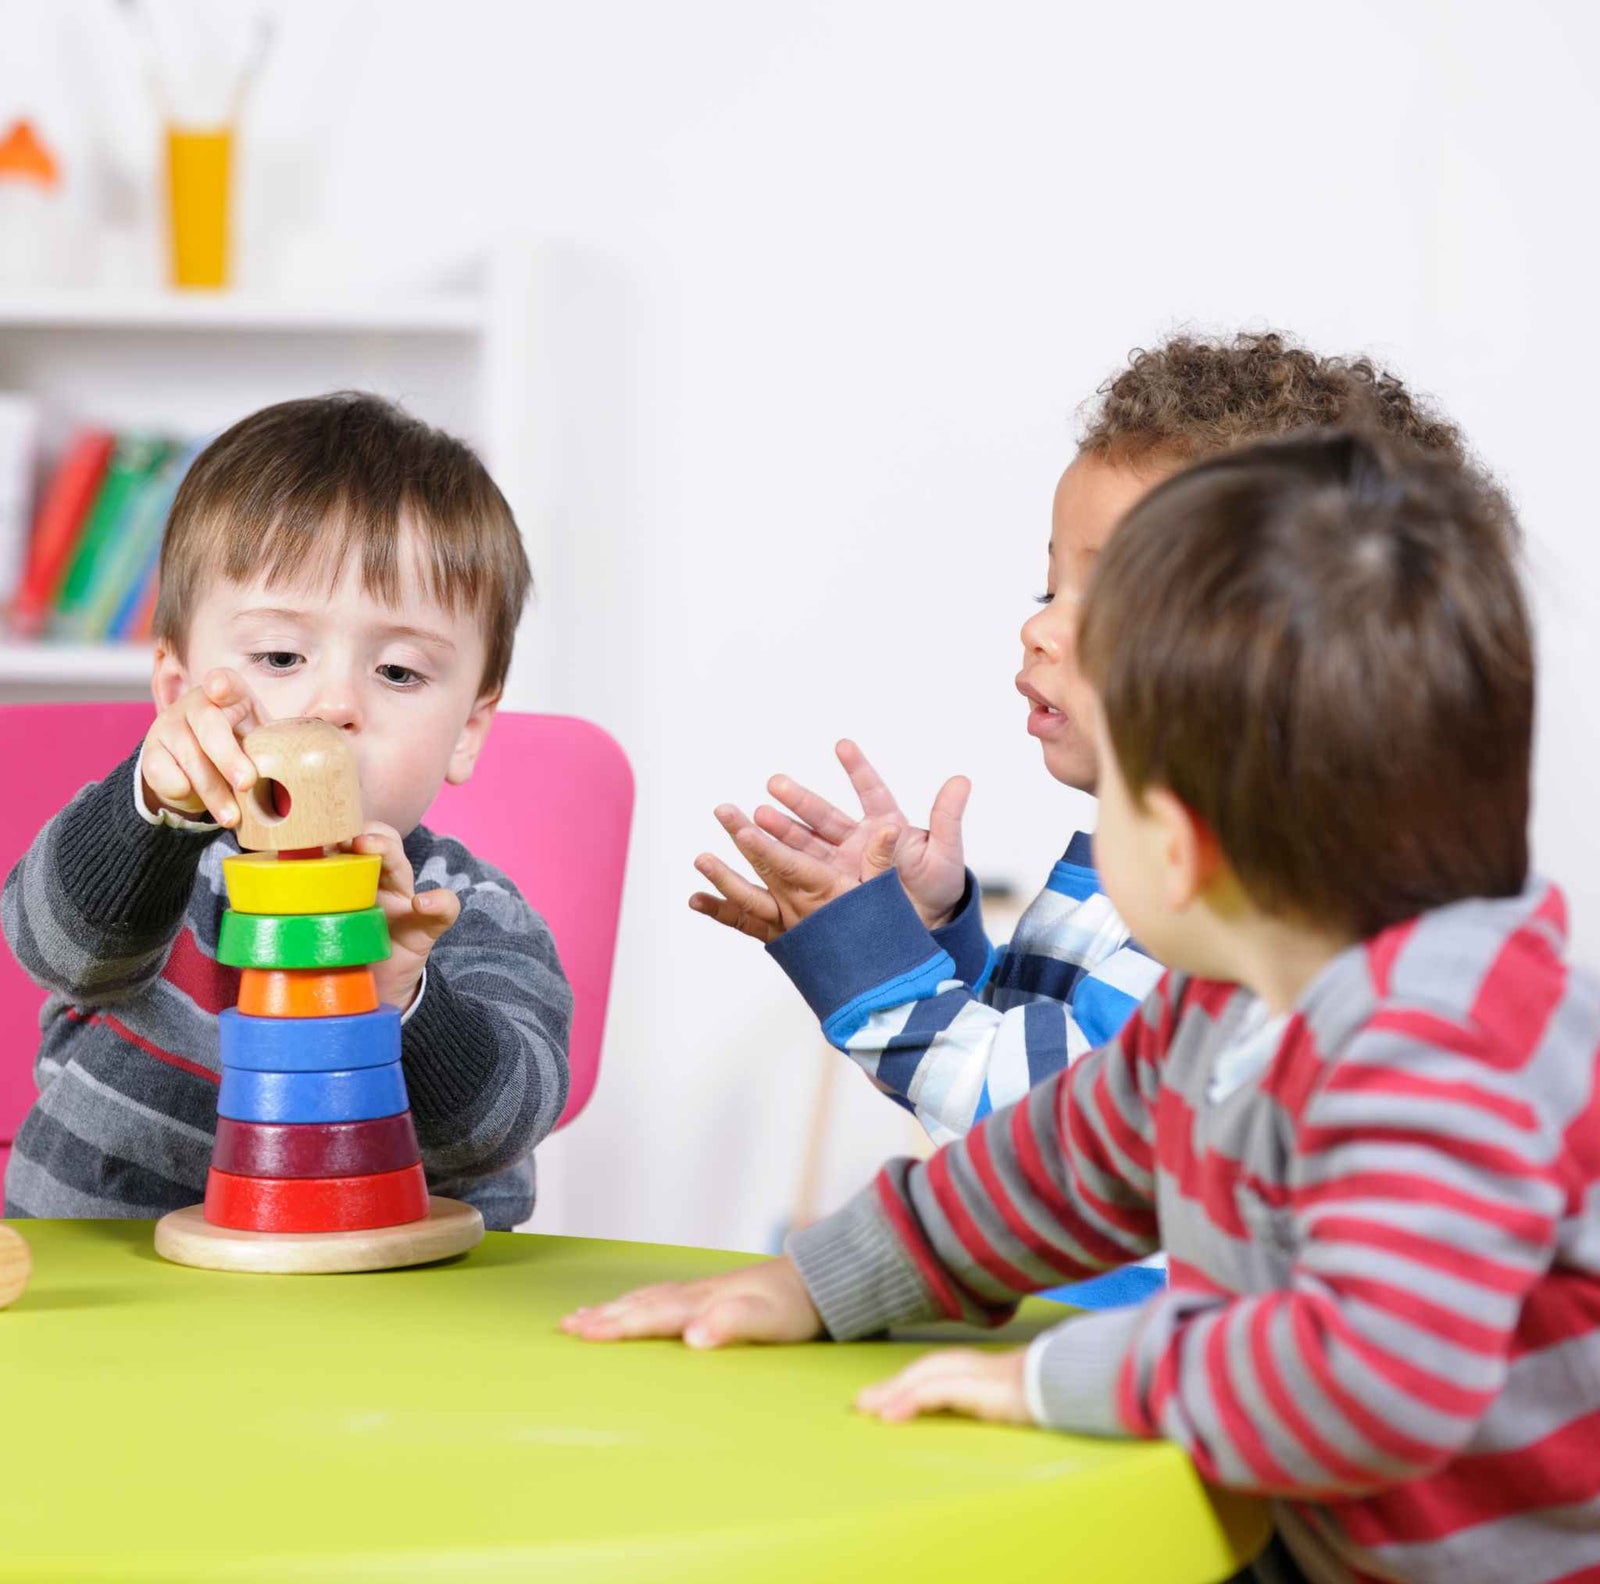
(331,557)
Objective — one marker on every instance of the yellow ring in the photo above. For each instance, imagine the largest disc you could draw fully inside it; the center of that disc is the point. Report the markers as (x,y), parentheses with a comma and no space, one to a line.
(265,883)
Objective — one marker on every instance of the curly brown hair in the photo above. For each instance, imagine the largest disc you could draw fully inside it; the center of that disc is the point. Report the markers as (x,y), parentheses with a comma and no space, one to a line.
(1193,397)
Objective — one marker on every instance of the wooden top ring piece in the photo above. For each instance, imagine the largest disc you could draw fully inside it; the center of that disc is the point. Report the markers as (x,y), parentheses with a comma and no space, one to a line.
(314,764)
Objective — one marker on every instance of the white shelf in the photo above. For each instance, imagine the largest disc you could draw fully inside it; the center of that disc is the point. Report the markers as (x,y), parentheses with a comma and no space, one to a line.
(86,665)
(387,313)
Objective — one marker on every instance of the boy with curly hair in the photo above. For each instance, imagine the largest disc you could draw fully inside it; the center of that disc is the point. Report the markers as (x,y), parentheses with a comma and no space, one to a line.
(978,1027)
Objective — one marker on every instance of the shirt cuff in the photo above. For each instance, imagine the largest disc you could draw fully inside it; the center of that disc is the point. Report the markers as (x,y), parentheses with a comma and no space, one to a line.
(858,1273)
(964,939)
(865,951)
(1071,1372)
(168,817)
(416,1000)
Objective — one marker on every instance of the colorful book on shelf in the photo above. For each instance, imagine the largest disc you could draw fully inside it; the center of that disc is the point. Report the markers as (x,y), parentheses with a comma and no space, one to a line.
(142,618)
(130,561)
(135,459)
(56,526)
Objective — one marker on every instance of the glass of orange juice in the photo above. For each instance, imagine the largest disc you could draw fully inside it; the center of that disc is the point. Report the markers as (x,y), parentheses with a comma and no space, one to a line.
(199,191)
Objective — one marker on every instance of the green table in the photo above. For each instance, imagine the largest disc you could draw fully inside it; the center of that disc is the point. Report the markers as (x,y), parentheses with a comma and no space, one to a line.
(158,1422)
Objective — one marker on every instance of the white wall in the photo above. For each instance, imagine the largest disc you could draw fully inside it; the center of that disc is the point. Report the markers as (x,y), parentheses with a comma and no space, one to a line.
(820,287)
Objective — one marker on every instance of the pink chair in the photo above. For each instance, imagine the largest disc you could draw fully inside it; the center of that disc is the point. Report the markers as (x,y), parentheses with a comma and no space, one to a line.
(550,803)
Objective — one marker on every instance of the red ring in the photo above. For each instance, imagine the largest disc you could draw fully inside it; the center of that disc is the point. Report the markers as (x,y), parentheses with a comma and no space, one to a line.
(316,1204)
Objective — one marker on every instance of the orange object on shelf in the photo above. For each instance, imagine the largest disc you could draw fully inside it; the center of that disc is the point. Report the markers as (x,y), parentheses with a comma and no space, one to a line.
(199,170)
(23,157)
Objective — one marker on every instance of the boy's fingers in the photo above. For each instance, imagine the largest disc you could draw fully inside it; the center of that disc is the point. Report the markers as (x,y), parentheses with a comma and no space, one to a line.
(879,857)
(875,797)
(728,881)
(740,1317)
(654,1312)
(165,777)
(203,776)
(793,834)
(384,840)
(748,900)
(944,822)
(832,824)
(439,908)
(731,817)
(779,865)
(735,917)
(958,1380)
(215,735)
(226,689)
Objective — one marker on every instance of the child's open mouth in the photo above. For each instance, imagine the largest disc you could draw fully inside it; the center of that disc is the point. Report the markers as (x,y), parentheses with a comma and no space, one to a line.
(1044,719)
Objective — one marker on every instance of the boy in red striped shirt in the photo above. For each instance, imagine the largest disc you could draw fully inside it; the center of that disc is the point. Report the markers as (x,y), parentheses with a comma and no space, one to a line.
(1360,1111)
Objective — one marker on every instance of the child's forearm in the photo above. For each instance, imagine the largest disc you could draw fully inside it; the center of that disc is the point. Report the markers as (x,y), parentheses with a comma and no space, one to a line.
(1027,1200)
(485,1056)
(891,997)
(92,908)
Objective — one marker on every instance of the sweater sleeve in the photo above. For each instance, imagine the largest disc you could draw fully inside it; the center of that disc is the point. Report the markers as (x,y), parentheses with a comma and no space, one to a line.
(485,1046)
(1055,1188)
(891,997)
(1422,1206)
(92,908)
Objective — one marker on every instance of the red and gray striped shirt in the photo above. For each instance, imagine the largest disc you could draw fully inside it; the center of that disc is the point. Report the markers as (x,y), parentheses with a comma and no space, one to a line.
(1383,1219)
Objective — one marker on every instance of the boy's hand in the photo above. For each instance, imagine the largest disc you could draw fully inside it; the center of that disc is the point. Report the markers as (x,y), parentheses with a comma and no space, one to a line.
(763,1303)
(797,884)
(954,1380)
(932,867)
(193,762)
(416,918)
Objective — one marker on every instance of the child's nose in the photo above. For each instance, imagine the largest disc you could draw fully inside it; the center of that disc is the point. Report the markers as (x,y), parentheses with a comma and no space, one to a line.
(338,707)
(1041,636)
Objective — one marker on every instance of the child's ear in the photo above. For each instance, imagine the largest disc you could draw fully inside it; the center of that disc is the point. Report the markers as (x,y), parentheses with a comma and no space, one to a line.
(1191,855)
(464,756)
(169,677)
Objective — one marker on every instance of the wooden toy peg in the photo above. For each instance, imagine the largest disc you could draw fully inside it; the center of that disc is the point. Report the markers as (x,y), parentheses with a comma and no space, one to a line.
(16,1265)
(307,794)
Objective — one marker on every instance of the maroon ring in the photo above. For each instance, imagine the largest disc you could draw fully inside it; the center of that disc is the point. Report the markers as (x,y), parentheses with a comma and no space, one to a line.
(315,1149)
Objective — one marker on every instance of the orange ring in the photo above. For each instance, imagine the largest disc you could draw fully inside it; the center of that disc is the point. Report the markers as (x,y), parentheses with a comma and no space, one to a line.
(316,1204)
(307,992)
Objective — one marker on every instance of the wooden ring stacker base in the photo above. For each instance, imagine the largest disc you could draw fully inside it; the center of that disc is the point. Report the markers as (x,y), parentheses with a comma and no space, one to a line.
(186,1238)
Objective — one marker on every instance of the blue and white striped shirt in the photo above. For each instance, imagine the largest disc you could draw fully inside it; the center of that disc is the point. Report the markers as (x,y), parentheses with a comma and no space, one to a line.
(972,1029)
(968,1029)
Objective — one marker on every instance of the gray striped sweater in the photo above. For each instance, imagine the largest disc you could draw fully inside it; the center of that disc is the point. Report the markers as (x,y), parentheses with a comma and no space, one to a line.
(118,919)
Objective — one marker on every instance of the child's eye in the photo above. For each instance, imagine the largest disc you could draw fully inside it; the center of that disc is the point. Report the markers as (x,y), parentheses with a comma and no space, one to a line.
(1044,599)
(275,660)
(401,676)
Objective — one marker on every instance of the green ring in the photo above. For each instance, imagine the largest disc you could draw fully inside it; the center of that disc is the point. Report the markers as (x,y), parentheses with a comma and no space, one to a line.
(303,940)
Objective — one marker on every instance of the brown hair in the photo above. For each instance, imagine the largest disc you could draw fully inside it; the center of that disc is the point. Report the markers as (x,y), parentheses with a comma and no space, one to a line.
(1321,647)
(1192,397)
(294,489)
